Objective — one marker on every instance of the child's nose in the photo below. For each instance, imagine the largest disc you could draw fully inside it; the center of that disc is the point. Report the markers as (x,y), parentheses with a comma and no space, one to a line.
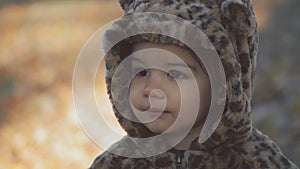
(155,84)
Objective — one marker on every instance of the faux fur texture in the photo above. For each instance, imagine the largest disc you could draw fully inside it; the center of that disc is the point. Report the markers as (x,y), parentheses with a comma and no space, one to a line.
(231,27)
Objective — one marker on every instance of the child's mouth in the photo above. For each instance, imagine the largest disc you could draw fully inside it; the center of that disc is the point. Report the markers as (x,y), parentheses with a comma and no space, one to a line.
(156,111)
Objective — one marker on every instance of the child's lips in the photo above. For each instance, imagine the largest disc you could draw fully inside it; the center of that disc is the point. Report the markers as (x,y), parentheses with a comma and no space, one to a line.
(155,111)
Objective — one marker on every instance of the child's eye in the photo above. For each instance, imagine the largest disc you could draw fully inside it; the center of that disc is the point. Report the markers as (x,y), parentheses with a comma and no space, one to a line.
(143,72)
(175,74)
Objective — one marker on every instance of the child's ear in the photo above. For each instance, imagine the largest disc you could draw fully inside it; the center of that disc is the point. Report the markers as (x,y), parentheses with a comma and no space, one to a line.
(126,4)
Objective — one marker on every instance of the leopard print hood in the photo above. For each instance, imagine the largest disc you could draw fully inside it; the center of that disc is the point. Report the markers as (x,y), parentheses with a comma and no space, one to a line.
(230,26)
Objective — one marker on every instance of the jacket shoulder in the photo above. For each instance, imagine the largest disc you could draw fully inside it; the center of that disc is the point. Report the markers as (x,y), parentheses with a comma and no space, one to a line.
(259,151)
(107,161)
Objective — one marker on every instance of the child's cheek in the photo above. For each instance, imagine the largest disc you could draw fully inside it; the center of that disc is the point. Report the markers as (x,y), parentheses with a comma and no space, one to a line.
(135,92)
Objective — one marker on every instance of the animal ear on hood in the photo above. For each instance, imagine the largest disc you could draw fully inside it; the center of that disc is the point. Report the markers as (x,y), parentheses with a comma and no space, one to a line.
(126,4)
(238,16)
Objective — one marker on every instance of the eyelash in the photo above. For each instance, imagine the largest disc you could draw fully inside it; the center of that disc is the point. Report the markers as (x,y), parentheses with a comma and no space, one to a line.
(141,73)
(179,75)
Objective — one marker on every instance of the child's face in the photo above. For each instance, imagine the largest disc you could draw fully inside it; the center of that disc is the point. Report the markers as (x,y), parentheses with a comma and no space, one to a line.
(162,90)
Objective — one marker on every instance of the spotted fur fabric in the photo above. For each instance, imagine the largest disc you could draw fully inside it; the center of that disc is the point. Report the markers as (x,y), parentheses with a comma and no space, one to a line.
(231,27)
(256,152)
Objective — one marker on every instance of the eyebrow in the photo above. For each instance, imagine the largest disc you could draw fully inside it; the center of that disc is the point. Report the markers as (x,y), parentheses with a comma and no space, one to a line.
(138,59)
(182,65)
(170,64)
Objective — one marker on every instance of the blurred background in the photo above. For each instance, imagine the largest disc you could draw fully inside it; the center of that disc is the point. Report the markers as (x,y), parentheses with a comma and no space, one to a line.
(39,45)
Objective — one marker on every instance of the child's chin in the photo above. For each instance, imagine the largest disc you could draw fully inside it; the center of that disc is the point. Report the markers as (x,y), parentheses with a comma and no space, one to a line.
(156,129)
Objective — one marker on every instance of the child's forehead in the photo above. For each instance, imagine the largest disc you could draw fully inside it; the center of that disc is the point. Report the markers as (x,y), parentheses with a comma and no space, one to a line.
(164,52)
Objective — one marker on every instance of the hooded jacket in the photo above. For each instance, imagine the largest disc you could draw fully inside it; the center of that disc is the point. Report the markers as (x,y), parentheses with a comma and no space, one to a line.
(231,27)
